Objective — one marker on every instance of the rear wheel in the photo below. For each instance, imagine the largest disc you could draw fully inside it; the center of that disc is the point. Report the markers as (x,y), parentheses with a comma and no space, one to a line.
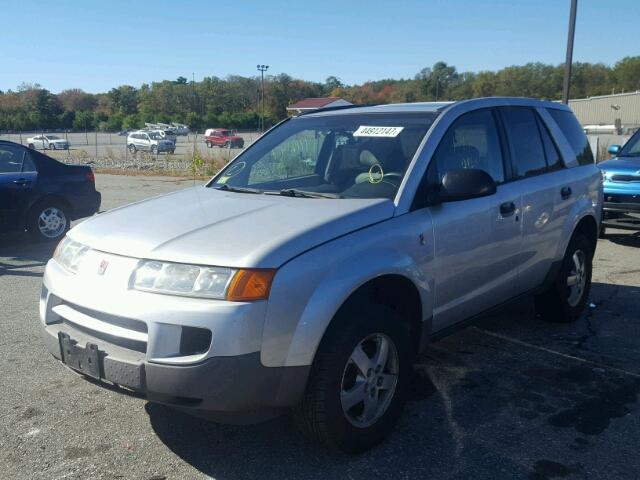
(227,144)
(52,146)
(132,148)
(48,221)
(565,300)
(208,144)
(356,390)
(32,146)
(154,149)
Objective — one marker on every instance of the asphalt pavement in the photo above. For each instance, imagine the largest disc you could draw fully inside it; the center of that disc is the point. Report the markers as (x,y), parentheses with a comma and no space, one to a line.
(510,397)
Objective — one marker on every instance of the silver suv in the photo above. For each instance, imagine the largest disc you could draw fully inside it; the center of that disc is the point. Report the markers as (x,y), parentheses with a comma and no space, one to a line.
(150,141)
(312,269)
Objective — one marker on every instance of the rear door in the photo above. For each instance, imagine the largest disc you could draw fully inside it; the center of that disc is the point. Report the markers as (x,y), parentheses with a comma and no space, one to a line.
(17,185)
(534,160)
(477,241)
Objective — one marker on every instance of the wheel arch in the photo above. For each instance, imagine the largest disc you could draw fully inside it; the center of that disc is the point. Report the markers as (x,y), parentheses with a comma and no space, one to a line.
(50,197)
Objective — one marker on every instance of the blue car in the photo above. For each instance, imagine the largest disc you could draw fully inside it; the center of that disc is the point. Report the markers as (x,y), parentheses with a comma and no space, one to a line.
(622,186)
(41,195)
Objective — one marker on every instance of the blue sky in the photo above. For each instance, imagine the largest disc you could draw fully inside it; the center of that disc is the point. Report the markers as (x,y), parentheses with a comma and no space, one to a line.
(96,45)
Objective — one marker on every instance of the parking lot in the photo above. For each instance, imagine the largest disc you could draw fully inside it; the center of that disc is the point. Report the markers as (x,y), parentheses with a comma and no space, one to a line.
(509,397)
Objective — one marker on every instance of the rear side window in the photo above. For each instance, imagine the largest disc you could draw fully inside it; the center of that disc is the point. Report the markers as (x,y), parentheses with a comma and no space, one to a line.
(11,159)
(525,143)
(554,160)
(574,134)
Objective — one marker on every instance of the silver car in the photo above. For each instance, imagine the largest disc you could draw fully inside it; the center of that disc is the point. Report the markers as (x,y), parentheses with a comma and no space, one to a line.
(310,271)
(149,141)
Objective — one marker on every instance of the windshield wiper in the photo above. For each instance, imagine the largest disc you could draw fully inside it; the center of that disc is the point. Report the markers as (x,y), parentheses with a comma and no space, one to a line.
(294,192)
(229,188)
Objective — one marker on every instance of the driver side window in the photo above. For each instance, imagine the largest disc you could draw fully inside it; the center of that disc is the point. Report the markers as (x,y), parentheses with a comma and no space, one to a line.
(472,141)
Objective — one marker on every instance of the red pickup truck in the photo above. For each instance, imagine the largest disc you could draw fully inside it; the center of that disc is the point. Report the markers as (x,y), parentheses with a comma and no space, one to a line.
(222,138)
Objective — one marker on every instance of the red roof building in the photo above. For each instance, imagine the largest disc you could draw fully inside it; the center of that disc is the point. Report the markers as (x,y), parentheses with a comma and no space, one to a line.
(315,104)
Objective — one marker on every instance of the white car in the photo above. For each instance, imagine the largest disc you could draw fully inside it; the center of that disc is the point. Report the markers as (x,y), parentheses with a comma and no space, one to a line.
(48,142)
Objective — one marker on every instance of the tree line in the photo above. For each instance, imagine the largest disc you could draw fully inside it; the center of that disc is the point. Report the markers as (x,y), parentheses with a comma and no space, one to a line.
(234,101)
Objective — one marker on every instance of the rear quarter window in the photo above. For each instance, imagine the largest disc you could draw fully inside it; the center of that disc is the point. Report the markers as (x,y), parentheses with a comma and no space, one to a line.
(574,134)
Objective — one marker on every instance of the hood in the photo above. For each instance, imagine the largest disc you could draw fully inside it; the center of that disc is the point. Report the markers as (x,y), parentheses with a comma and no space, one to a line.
(206,226)
(621,164)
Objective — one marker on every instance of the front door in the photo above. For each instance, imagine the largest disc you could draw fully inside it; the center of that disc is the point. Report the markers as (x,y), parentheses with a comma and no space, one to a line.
(476,242)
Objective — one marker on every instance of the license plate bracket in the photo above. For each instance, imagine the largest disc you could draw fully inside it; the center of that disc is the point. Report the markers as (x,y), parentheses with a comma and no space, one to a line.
(86,359)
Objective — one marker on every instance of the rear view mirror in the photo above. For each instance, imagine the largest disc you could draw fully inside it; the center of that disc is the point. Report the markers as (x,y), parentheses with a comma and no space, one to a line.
(614,149)
(466,184)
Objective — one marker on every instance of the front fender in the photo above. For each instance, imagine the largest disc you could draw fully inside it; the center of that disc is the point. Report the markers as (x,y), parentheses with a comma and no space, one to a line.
(308,291)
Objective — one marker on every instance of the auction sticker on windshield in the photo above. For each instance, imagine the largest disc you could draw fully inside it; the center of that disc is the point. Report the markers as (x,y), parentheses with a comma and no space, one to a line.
(365,131)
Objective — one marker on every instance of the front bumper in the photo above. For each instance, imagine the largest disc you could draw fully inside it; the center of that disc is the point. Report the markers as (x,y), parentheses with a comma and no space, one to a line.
(140,336)
(621,210)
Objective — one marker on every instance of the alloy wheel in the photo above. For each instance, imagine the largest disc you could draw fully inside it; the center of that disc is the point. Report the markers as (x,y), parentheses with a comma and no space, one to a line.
(369,380)
(52,222)
(577,278)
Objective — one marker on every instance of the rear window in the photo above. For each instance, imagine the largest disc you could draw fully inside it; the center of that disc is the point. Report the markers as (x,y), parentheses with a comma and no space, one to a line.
(574,134)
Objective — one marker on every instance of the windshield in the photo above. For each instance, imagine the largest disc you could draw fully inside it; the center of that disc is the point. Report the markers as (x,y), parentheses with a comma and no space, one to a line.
(632,147)
(347,155)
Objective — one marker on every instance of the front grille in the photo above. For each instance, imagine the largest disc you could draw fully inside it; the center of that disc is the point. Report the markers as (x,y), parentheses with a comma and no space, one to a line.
(121,331)
(625,178)
(620,198)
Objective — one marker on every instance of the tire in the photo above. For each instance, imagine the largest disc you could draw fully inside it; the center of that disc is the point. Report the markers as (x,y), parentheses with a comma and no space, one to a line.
(208,144)
(52,146)
(227,144)
(603,232)
(32,146)
(132,148)
(563,303)
(321,414)
(154,149)
(172,152)
(53,227)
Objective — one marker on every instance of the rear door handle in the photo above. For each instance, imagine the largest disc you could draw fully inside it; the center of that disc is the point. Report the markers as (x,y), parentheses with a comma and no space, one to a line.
(565,192)
(22,182)
(507,209)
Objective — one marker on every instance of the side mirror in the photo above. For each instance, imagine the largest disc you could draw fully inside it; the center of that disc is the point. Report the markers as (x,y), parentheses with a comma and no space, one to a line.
(614,149)
(466,184)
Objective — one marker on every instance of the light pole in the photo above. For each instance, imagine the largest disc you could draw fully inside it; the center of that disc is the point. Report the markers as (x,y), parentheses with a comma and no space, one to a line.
(569,59)
(262,69)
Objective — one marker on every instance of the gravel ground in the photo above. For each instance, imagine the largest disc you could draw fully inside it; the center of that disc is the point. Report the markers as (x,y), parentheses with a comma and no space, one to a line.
(510,397)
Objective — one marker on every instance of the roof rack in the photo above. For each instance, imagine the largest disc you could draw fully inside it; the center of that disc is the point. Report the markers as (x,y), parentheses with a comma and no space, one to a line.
(329,109)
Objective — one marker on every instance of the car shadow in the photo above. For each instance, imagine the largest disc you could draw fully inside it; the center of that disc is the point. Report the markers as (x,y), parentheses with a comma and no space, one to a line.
(484,400)
(20,256)
(625,239)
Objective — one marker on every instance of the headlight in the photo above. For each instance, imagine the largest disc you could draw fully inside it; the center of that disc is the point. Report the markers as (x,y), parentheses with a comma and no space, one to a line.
(69,254)
(200,281)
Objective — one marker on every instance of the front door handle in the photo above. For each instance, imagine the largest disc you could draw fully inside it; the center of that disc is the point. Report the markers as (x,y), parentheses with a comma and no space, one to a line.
(507,209)
(21,182)
(565,192)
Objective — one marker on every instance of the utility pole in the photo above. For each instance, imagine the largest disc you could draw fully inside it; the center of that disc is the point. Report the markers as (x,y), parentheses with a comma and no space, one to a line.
(569,59)
(262,69)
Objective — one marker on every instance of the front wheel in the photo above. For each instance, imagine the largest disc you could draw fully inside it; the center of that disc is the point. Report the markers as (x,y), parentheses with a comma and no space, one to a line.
(48,221)
(32,146)
(356,389)
(52,146)
(154,149)
(564,301)
(132,148)
(208,144)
